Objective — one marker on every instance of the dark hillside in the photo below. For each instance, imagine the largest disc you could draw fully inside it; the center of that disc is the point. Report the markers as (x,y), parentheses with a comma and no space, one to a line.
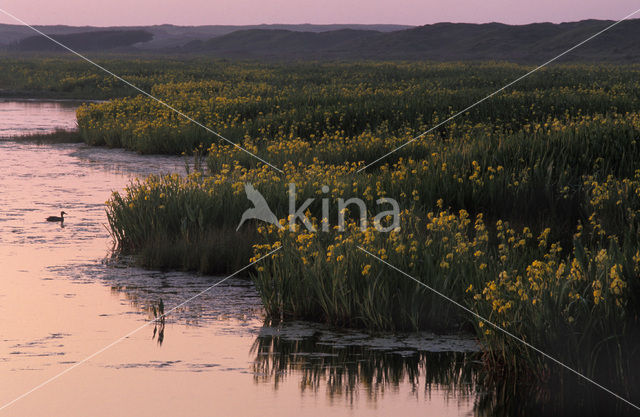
(439,42)
(87,41)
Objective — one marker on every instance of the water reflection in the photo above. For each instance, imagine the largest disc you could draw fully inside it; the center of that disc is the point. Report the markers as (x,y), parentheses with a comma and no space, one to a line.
(350,366)
(345,358)
(19,117)
(159,320)
(346,370)
(339,365)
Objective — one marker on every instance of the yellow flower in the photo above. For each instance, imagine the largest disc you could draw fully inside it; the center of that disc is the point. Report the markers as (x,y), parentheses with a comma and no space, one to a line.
(617,284)
(597,295)
(597,291)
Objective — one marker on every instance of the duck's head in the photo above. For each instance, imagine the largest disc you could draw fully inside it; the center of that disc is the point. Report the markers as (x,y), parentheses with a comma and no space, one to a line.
(62,213)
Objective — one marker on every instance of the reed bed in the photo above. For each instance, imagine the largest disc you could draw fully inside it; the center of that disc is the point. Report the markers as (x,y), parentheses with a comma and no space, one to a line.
(525,210)
(56,136)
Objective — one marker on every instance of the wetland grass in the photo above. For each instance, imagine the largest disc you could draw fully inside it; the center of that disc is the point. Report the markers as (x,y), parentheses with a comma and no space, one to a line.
(525,210)
(57,136)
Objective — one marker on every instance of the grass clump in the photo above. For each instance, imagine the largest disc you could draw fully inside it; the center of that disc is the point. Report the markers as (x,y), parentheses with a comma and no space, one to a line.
(57,136)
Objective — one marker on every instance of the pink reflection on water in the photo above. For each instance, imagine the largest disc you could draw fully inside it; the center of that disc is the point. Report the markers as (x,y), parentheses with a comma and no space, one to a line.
(60,303)
(28,116)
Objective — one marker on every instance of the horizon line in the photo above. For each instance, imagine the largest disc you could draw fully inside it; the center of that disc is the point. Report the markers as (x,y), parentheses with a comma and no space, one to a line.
(318,24)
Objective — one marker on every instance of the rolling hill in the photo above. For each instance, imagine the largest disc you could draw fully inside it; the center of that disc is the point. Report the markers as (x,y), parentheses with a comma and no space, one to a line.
(439,42)
(83,41)
(167,36)
(532,43)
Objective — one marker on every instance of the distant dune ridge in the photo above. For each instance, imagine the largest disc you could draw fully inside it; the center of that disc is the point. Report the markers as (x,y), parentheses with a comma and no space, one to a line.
(439,42)
(103,40)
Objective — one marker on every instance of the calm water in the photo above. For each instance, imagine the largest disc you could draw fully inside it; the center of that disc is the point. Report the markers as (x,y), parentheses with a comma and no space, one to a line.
(61,300)
(36,116)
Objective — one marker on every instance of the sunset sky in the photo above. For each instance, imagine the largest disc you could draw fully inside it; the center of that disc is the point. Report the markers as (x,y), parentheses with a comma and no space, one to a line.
(235,12)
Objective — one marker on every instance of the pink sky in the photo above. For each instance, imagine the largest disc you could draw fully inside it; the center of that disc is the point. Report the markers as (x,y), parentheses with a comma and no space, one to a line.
(235,12)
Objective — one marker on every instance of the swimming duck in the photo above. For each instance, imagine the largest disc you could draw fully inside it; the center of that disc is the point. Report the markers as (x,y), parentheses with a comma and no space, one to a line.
(56,218)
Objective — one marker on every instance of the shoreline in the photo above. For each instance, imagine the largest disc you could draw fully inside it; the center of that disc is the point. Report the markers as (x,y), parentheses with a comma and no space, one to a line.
(57,136)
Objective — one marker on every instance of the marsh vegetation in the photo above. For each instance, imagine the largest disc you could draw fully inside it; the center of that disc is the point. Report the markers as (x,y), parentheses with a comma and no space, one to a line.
(524,209)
